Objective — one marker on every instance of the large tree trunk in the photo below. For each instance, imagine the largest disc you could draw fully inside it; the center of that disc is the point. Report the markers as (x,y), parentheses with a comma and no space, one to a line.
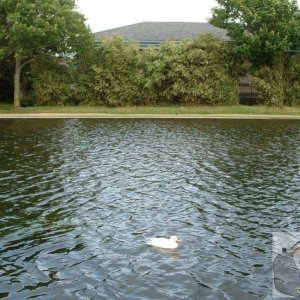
(17,77)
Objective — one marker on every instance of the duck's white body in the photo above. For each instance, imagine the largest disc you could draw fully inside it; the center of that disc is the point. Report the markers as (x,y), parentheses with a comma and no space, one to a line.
(171,243)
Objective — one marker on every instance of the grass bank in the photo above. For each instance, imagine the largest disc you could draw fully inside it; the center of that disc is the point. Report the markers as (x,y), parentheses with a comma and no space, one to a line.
(171,109)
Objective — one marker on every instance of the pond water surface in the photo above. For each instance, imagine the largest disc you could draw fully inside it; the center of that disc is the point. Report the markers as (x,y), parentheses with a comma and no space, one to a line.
(79,198)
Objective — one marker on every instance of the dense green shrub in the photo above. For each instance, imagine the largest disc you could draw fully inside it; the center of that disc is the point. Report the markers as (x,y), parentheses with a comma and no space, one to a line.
(116,73)
(292,95)
(198,71)
(57,81)
(195,71)
(279,82)
(53,81)
(153,76)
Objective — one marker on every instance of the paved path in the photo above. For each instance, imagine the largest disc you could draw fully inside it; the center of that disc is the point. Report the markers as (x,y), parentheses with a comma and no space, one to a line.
(141,116)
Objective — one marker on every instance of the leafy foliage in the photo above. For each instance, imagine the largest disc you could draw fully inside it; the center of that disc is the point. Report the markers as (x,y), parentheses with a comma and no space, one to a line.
(279,83)
(119,74)
(198,71)
(53,81)
(36,27)
(116,73)
(33,28)
(260,29)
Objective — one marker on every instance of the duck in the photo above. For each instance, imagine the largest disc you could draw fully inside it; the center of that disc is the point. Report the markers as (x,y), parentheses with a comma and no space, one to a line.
(171,243)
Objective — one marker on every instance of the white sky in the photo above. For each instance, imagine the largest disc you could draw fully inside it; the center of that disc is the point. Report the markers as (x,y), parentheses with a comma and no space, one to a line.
(108,14)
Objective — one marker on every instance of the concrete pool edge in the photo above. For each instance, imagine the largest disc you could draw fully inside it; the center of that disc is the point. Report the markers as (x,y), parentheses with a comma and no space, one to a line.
(142,116)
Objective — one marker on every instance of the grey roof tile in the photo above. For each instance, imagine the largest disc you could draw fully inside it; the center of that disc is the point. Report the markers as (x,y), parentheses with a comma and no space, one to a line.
(163,31)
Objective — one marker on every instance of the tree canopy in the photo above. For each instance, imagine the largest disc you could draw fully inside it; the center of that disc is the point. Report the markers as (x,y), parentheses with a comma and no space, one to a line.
(260,29)
(31,28)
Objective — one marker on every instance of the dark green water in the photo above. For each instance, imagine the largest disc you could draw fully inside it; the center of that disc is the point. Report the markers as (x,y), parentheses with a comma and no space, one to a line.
(78,199)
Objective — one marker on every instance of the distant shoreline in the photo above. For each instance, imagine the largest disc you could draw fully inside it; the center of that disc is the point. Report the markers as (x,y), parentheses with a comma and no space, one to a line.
(144,116)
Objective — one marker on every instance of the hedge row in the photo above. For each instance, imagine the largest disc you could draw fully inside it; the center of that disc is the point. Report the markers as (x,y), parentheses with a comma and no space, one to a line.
(200,71)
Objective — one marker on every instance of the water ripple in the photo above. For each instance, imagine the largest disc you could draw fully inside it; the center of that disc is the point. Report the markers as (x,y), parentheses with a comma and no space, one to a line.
(80,197)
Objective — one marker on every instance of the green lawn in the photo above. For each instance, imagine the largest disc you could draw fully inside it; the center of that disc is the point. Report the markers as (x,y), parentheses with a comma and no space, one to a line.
(171,109)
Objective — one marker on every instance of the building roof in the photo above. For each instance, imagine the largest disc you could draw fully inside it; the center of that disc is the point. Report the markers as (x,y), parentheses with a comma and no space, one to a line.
(156,32)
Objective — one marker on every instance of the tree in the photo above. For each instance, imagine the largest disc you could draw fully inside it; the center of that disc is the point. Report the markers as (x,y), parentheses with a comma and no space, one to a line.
(260,29)
(5,56)
(32,28)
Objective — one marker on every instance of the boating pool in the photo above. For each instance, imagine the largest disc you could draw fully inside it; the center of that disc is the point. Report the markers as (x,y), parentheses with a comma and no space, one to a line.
(79,198)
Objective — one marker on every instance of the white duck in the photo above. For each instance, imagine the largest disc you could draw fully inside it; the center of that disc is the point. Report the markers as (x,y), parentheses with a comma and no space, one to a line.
(171,243)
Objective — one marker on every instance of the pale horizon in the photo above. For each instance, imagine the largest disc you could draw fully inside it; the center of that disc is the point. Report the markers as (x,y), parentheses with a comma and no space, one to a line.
(117,13)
